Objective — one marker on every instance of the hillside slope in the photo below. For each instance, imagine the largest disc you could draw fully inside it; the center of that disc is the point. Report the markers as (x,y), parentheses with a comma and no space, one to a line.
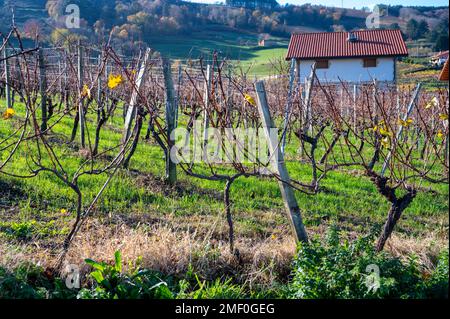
(24,10)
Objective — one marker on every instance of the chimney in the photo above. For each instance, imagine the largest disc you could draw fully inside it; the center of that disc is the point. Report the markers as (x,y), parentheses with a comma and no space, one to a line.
(352,37)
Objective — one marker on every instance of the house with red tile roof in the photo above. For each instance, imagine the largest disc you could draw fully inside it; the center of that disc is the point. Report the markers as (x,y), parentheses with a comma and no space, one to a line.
(357,56)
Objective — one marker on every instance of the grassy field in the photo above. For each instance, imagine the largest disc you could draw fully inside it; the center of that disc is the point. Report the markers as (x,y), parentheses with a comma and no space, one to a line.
(414,70)
(183,228)
(230,44)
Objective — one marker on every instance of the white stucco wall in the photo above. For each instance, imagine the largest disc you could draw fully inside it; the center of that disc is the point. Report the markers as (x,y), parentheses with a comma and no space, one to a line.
(351,70)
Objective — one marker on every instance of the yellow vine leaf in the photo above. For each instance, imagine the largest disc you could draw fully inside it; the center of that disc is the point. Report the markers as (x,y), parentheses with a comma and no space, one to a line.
(434,102)
(86,91)
(9,113)
(406,123)
(443,117)
(385,132)
(440,134)
(250,99)
(114,80)
(382,129)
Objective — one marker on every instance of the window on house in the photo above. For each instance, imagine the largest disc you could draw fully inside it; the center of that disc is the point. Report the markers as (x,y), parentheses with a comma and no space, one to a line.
(370,63)
(322,64)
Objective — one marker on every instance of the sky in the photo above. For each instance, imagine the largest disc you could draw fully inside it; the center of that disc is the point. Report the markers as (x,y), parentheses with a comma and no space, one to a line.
(355,3)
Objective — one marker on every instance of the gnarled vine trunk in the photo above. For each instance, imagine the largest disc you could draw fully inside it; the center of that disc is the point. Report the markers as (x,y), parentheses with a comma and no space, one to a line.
(395,212)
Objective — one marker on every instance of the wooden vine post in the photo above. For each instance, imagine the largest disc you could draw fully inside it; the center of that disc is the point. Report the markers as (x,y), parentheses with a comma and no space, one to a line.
(171,110)
(279,166)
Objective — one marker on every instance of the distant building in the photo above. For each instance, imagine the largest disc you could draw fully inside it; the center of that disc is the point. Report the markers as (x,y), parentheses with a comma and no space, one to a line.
(359,56)
(439,59)
(266,43)
(253,4)
(264,40)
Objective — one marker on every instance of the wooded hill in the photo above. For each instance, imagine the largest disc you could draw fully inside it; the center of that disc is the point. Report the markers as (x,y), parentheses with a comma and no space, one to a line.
(134,21)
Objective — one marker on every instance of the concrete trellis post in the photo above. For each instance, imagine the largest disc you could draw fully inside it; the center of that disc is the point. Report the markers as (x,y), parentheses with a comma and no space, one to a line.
(66,88)
(206,102)
(307,105)
(288,105)
(299,80)
(131,111)
(400,129)
(106,74)
(99,81)
(279,165)
(446,156)
(100,102)
(374,98)
(354,107)
(229,97)
(17,76)
(60,76)
(81,115)
(7,82)
(180,81)
(43,90)
(171,107)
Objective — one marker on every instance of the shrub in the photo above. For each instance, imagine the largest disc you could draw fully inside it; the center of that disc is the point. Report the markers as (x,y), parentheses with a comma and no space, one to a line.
(342,270)
(30,282)
(218,289)
(112,283)
(437,285)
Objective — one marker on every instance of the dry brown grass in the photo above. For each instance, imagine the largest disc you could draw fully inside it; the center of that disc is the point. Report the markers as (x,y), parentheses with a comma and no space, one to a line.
(170,250)
(175,245)
(427,249)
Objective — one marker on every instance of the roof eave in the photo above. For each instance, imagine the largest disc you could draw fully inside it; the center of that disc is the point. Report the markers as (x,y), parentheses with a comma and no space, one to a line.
(347,57)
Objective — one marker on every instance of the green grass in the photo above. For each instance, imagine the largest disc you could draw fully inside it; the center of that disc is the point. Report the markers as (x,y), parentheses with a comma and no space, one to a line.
(41,210)
(230,44)
(346,197)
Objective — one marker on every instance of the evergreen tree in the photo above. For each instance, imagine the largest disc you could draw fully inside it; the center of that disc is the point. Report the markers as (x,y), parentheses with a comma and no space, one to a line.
(423,29)
(441,43)
(411,29)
